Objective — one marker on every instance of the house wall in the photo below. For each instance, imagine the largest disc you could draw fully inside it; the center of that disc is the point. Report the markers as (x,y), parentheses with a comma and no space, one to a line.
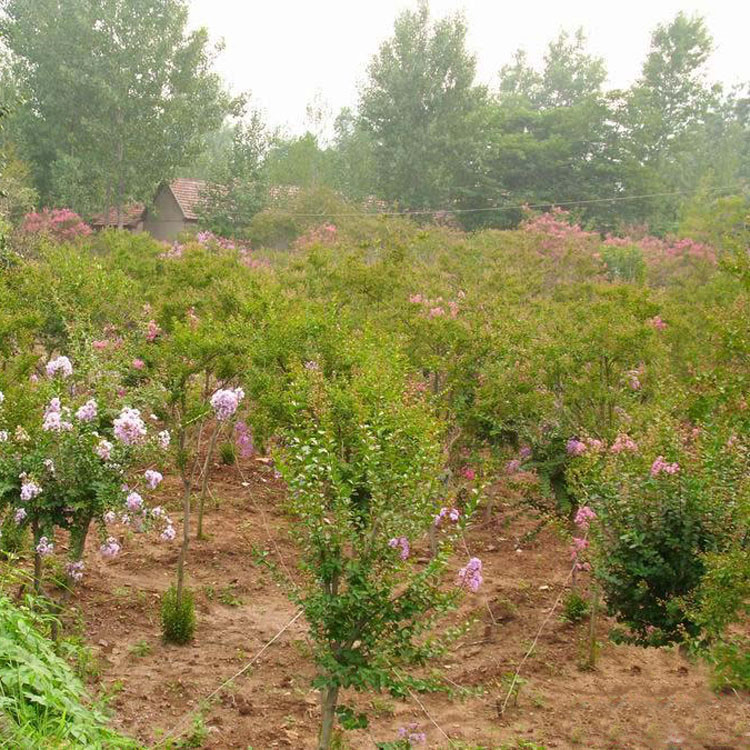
(164,219)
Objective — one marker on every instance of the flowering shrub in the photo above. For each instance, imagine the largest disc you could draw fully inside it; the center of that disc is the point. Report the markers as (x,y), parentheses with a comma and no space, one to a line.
(61,224)
(656,521)
(74,466)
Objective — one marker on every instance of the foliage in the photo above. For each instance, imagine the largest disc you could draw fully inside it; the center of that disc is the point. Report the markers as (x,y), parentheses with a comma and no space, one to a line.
(360,459)
(105,120)
(575,607)
(177,616)
(43,703)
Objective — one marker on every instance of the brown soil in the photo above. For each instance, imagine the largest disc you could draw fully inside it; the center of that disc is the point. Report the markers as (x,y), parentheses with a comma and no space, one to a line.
(635,699)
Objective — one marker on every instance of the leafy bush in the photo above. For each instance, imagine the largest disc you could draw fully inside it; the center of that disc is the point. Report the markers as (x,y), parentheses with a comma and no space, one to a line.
(178,617)
(575,607)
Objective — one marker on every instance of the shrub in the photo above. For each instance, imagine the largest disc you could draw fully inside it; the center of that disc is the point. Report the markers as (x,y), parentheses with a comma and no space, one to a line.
(178,617)
(228,453)
(575,607)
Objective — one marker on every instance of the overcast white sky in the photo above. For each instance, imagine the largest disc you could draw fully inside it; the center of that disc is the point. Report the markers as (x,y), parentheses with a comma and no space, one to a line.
(287,51)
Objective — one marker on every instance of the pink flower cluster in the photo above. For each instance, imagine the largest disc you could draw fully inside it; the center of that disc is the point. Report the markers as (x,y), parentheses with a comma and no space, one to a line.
(575,447)
(584,517)
(470,576)
(660,466)
(226,401)
(401,543)
(152,330)
(325,234)
(60,223)
(624,444)
(436,308)
(655,249)
(658,323)
(103,449)
(129,428)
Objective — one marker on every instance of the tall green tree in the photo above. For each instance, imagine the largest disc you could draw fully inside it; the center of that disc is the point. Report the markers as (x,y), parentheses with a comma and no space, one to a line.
(674,123)
(237,183)
(416,107)
(116,94)
(549,134)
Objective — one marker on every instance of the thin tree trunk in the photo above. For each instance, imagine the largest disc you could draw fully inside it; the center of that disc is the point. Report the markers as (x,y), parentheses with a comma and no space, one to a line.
(328,699)
(592,628)
(204,484)
(37,560)
(186,484)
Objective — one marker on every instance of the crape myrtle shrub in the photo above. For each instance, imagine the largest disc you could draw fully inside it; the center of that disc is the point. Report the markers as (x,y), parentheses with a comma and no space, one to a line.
(550,350)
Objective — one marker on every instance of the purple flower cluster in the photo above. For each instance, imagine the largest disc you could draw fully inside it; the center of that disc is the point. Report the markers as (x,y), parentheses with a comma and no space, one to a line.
(103,449)
(153,478)
(129,428)
(59,365)
(402,543)
(575,447)
(134,502)
(471,575)
(453,514)
(243,439)
(20,516)
(164,439)
(226,401)
(110,549)
(45,547)
(29,489)
(87,413)
(53,417)
(413,734)
(75,570)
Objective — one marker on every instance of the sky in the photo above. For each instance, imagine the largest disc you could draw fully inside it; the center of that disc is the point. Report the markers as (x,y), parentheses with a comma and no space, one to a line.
(289,53)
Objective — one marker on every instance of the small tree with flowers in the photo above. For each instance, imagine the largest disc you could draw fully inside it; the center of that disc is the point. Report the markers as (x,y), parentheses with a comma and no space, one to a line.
(194,362)
(361,460)
(75,462)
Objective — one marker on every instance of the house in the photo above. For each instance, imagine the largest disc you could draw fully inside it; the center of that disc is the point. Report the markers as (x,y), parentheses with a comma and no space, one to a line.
(132,218)
(172,211)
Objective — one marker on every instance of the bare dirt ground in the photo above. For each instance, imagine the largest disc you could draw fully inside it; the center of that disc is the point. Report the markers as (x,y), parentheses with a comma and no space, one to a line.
(636,699)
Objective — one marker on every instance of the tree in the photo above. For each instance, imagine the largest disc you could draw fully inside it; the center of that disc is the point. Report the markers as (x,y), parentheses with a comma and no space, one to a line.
(237,187)
(549,133)
(416,107)
(667,118)
(116,94)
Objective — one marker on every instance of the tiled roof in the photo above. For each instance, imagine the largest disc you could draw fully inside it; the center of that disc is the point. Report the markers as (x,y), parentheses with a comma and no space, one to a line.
(187,193)
(131,215)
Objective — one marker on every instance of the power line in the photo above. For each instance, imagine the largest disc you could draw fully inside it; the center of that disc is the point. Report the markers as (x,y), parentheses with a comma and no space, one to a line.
(428,211)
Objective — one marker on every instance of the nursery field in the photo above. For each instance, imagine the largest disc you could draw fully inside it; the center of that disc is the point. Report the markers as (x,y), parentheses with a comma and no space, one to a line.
(386,485)
(636,698)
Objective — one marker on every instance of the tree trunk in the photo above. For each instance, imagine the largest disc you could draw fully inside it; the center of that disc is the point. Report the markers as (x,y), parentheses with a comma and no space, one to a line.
(204,484)
(185,537)
(37,559)
(328,700)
